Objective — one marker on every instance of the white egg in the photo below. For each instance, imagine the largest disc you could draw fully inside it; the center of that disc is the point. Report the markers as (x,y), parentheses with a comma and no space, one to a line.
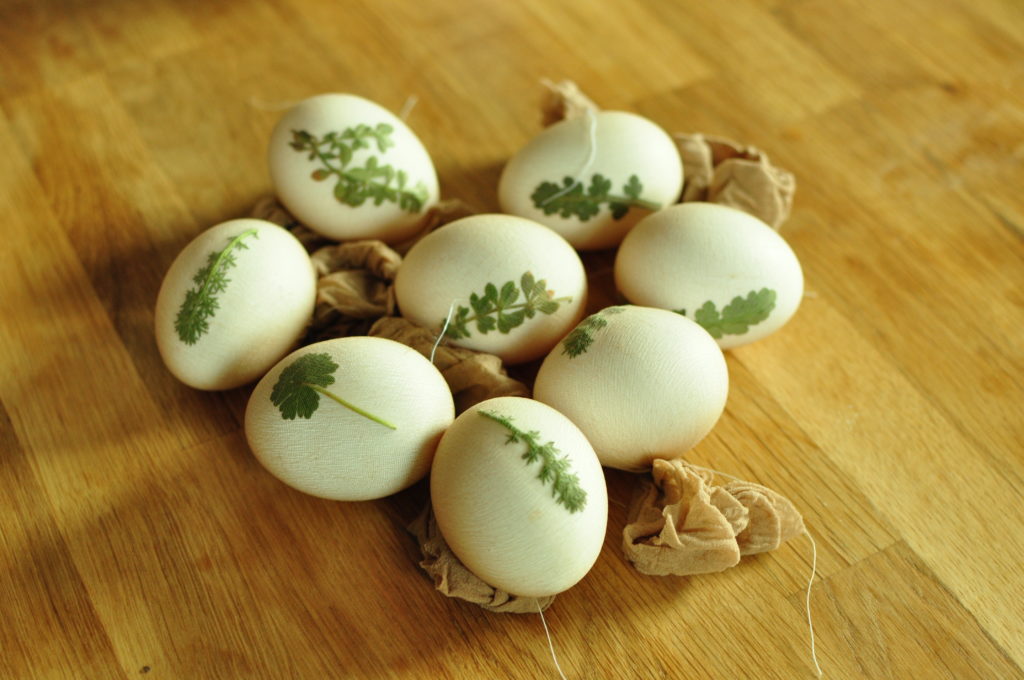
(519,496)
(591,178)
(505,285)
(349,419)
(350,169)
(641,383)
(723,268)
(233,302)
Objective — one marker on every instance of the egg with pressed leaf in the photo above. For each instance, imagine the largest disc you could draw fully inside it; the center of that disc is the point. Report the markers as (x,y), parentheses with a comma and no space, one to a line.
(641,383)
(493,283)
(519,496)
(348,168)
(592,177)
(234,301)
(353,418)
(719,266)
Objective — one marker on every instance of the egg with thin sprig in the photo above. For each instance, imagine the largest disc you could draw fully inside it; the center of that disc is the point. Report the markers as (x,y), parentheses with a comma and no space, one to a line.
(519,496)
(494,283)
(350,169)
(353,418)
(591,178)
(235,300)
(724,268)
(641,383)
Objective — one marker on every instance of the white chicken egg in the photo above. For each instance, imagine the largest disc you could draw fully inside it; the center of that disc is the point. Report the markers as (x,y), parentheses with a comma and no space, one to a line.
(519,496)
(233,302)
(591,178)
(495,283)
(349,419)
(641,383)
(723,268)
(350,169)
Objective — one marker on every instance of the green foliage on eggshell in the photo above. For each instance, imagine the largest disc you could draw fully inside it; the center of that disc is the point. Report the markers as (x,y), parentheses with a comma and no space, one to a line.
(554,468)
(499,310)
(201,302)
(738,316)
(374,181)
(570,199)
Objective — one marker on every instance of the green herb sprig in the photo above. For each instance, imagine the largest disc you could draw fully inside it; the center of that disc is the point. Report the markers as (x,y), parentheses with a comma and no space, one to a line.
(738,316)
(501,310)
(570,199)
(201,303)
(579,340)
(356,185)
(297,391)
(565,485)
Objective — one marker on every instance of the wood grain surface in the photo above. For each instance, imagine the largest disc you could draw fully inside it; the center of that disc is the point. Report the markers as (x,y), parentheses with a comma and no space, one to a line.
(140,538)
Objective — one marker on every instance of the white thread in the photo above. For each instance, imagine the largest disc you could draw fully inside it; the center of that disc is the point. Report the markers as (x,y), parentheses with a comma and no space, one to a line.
(810,624)
(264,105)
(810,582)
(590,119)
(408,106)
(444,329)
(551,645)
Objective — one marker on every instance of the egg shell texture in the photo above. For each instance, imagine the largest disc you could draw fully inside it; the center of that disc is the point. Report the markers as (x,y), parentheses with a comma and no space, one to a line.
(623,144)
(703,256)
(314,202)
(260,313)
(503,522)
(643,384)
(339,454)
(443,270)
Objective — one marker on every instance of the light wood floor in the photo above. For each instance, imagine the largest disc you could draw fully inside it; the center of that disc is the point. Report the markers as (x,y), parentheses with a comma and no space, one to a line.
(139,537)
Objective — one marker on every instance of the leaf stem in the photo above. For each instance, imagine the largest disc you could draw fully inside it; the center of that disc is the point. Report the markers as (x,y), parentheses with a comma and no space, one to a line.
(638,202)
(212,274)
(351,407)
(340,172)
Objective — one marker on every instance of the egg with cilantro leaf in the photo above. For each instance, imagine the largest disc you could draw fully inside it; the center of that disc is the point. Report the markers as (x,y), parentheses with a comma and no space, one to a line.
(350,419)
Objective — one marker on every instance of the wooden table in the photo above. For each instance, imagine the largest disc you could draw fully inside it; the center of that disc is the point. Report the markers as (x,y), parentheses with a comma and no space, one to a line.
(141,538)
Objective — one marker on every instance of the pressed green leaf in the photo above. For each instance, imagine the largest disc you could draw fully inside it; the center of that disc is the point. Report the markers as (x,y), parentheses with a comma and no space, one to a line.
(508,321)
(548,306)
(579,339)
(356,185)
(293,393)
(297,391)
(508,294)
(486,324)
(555,469)
(200,303)
(738,316)
(527,282)
(633,187)
(344,152)
(505,309)
(569,199)
(491,293)
(479,304)
(599,187)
